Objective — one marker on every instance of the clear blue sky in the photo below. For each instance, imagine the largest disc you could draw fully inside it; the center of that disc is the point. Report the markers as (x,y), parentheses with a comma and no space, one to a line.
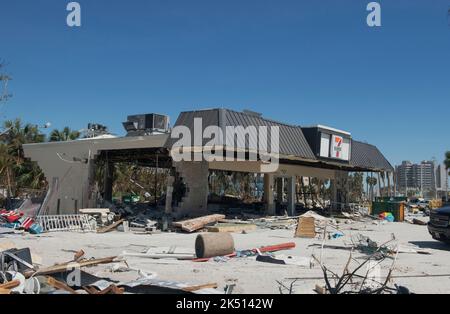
(303,62)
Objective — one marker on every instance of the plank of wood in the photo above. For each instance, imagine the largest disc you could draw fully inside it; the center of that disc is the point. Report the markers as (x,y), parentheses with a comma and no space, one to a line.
(235,221)
(10,285)
(64,267)
(192,225)
(199,287)
(60,285)
(111,227)
(113,289)
(231,228)
(306,228)
(5,291)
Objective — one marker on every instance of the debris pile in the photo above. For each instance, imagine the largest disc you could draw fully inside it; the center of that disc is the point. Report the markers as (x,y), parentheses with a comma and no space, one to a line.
(18,275)
(18,221)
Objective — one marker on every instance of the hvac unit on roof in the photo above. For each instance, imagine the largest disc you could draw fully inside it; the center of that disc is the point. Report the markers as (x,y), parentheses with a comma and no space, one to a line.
(146,124)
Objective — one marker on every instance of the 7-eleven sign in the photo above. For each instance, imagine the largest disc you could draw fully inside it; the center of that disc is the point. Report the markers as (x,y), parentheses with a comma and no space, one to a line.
(337,143)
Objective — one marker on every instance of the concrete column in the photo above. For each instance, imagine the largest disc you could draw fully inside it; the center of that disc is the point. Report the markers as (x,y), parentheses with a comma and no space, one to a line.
(291,196)
(280,190)
(108,182)
(195,176)
(169,193)
(334,193)
(338,189)
(268,193)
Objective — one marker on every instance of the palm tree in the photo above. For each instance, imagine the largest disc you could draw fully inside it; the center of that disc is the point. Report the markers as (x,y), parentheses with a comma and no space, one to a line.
(4,79)
(6,169)
(15,170)
(64,135)
(447,167)
(371,182)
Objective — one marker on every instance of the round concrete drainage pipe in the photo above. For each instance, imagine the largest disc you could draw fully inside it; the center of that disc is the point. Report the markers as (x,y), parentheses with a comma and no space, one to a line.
(214,244)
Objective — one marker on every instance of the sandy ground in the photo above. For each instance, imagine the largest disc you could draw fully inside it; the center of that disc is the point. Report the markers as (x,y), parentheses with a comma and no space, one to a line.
(249,275)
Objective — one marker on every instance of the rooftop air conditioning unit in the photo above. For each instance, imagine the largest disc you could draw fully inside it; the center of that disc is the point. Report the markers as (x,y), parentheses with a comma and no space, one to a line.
(146,124)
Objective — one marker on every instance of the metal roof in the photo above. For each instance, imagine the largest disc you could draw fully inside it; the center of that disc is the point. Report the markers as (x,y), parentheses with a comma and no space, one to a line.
(368,156)
(364,157)
(292,141)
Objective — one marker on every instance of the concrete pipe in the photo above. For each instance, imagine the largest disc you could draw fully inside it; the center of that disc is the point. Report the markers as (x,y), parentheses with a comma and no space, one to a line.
(214,244)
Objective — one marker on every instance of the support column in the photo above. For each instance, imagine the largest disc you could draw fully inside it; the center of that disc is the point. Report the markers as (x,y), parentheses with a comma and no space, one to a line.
(169,193)
(280,189)
(108,182)
(195,176)
(291,196)
(338,190)
(268,193)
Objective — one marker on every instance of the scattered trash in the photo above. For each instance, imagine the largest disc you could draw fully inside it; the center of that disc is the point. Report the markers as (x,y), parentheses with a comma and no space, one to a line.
(17,221)
(337,235)
(387,216)
(419,222)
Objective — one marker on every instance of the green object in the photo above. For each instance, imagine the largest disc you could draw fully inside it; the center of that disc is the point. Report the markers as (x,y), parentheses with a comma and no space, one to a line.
(130,199)
(396,208)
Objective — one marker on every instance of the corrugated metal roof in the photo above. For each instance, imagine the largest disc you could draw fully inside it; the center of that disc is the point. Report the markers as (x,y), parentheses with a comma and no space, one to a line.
(368,156)
(292,140)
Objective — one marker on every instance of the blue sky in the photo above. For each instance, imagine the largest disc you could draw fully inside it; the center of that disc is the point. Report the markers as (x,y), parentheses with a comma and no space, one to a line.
(303,62)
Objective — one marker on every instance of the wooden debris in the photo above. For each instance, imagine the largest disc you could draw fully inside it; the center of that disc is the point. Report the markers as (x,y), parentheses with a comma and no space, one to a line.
(228,227)
(111,227)
(112,289)
(60,285)
(306,228)
(200,287)
(195,224)
(320,289)
(64,267)
(10,285)
(78,255)
(235,221)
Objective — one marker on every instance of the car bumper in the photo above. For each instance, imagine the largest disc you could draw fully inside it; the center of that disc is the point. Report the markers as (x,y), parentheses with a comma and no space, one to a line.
(439,233)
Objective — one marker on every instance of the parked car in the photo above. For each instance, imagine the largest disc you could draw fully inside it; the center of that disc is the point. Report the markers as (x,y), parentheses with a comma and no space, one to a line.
(439,225)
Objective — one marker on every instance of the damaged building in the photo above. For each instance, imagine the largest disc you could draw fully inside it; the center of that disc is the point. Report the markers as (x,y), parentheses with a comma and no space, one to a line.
(71,168)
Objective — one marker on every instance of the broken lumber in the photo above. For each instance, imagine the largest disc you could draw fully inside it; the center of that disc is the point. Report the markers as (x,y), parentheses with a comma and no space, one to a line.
(64,267)
(232,228)
(111,227)
(195,224)
(60,285)
(10,285)
(200,287)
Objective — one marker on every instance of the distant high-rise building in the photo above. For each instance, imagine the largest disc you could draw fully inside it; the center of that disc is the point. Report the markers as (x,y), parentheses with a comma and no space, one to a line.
(416,177)
(441,180)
